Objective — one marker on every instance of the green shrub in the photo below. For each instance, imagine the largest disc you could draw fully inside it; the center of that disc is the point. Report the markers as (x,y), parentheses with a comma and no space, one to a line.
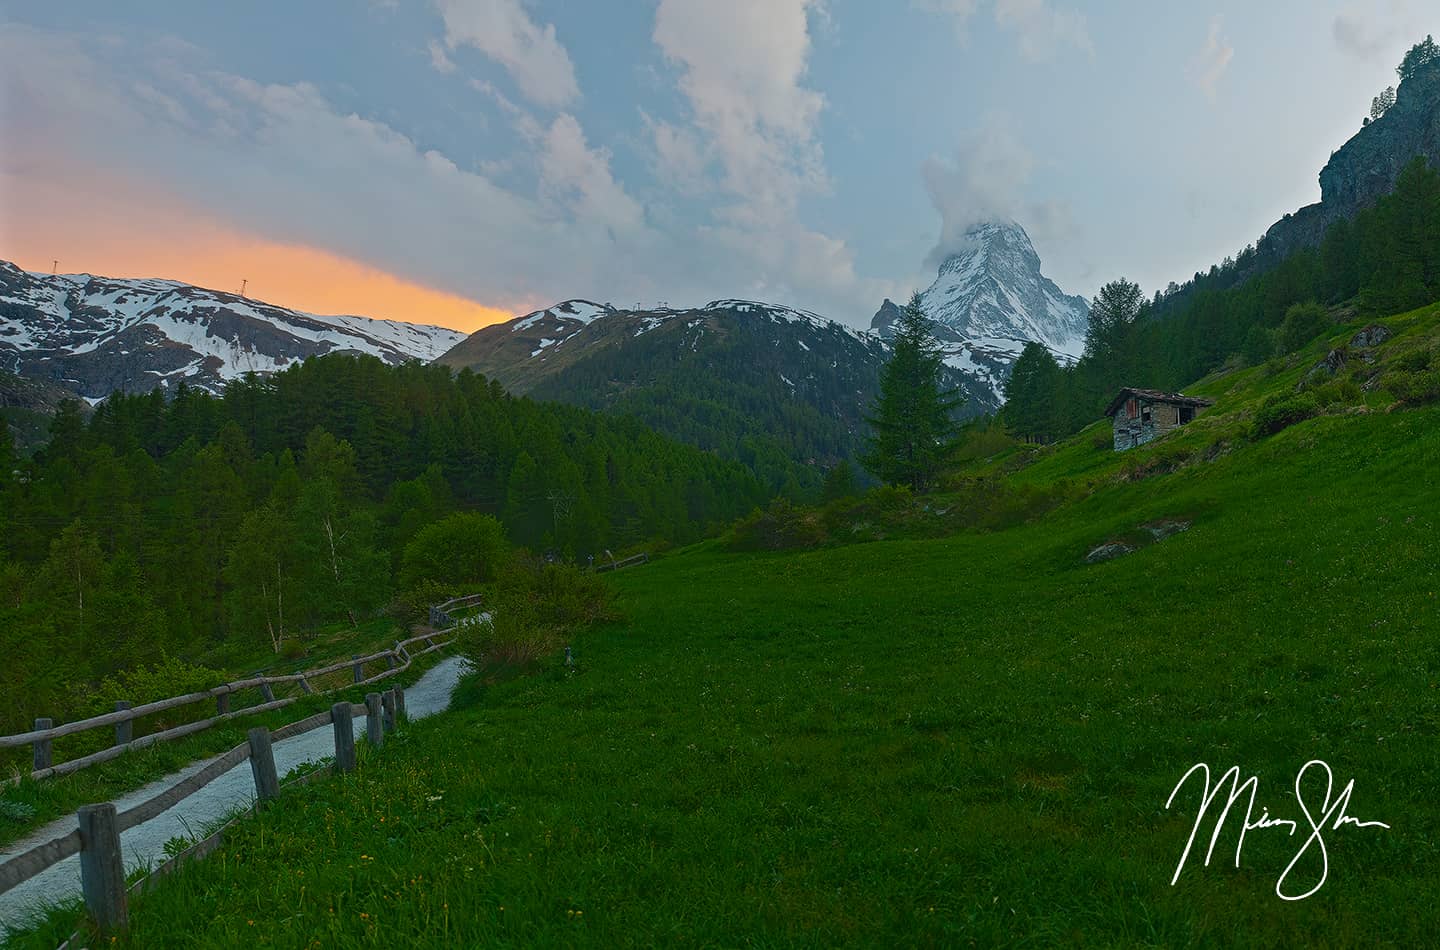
(1338,392)
(413,605)
(171,676)
(1282,411)
(1414,389)
(534,609)
(1413,362)
(462,548)
(1303,323)
(783,526)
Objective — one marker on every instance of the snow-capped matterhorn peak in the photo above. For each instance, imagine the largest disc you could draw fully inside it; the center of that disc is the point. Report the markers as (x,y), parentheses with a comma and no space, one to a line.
(990,299)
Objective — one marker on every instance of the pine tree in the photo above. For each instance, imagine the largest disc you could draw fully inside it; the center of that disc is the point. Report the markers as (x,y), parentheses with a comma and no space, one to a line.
(1031,394)
(913,418)
(1419,56)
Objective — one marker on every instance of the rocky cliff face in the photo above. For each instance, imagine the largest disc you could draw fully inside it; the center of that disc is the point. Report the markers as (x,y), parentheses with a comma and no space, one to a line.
(1366,168)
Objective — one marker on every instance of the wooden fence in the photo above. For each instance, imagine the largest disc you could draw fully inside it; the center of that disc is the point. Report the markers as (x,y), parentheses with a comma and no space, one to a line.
(442,616)
(97,838)
(641,558)
(42,738)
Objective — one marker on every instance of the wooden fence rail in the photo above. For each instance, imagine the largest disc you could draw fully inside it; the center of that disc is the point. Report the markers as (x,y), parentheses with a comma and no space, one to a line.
(397,659)
(442,615)
(97,837)
(641,558)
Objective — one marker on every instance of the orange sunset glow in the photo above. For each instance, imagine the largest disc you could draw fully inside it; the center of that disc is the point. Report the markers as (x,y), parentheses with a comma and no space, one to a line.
(117,233)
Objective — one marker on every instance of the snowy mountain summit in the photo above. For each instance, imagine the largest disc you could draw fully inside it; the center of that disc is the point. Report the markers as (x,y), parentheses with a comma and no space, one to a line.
(94,335)
(990,299)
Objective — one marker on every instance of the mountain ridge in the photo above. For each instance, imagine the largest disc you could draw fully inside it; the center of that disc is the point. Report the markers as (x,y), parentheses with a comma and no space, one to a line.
(746,379)
(95,334)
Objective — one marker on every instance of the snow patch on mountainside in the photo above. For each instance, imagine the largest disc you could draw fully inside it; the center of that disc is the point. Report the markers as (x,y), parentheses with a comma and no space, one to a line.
(96,334)
(990,299)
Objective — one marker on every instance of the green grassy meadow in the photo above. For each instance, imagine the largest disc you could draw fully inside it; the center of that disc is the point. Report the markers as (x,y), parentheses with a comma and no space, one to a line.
(964,741)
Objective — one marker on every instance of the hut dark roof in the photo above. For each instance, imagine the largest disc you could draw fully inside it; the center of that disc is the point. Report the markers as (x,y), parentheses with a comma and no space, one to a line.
(1155,395)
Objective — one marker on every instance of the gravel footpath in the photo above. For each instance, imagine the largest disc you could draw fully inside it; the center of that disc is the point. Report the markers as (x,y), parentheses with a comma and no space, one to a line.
(145,843)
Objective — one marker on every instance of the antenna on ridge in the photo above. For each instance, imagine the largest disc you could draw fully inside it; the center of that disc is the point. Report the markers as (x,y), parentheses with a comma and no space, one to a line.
(243,282)
(54,266)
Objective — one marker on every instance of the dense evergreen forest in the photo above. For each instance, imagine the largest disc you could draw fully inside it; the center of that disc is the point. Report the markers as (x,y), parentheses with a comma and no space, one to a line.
(163,526)
(1385,260)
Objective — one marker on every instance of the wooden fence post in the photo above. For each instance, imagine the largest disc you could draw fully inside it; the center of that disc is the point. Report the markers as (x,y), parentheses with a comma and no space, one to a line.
(222,704)
(102,872)
(390,658)
(306,687)
(42,746)
(344,737)
(399,705)
(266,693)
(262,765)
(124,731)
(358,667)
(374,721)
(387,704)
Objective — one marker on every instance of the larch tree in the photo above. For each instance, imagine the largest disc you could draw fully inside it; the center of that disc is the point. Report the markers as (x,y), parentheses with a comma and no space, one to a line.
(913,418)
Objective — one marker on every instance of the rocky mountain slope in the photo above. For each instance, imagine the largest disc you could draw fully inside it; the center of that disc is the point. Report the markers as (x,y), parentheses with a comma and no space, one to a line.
(749,380)
(94,335)
(989,300)
(1366,167)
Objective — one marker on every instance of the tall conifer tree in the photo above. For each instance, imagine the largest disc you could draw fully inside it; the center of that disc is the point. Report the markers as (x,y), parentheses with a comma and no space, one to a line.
(913,417)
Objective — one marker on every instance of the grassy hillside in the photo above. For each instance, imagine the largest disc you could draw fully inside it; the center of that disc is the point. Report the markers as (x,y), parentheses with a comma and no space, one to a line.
(958,741)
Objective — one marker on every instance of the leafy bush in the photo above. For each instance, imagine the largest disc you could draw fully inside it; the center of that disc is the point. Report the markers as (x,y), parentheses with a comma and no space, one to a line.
(1414,389)
(1338,392)
(413,604)
(1413,362)
(169,677)
(780,527)
(1303,323)
(535,608)
(1282,411)
(464,547)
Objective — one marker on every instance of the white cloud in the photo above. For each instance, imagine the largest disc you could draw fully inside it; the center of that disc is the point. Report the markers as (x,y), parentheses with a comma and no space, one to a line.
(960,11)
(282,162)
(677,155)
(1040,28)
(742,66)
(579,177)
(438,58)
(503,31)
(1209,65)
(1376,31)
(751,138)
(986,180)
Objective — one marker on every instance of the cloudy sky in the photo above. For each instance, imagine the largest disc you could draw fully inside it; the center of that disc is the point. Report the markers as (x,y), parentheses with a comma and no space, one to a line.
(459,161)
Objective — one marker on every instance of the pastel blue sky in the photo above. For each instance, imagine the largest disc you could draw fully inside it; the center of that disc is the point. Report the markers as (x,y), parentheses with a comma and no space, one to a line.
(817,154)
